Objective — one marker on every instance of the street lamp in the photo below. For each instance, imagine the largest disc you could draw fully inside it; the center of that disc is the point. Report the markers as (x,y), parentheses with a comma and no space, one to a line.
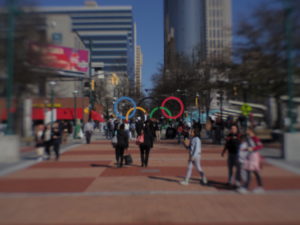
(52,84)
(198,104)
(245,89)
(183,93)
(75,92)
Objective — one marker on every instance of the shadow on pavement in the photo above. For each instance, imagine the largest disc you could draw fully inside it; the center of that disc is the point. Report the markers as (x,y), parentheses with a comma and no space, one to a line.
(101,165)
(211,183)
(163,179)
(220,185)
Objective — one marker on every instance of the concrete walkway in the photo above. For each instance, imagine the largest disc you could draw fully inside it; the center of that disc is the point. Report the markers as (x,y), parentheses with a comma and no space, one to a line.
(85,187)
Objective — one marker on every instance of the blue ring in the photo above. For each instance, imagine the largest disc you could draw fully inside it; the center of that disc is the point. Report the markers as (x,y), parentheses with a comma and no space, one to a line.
(116,107)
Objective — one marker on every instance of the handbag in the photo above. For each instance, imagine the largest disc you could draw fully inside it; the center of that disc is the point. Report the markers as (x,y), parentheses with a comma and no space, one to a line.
(128,159)
(80,134)
(140,139)
(114,140)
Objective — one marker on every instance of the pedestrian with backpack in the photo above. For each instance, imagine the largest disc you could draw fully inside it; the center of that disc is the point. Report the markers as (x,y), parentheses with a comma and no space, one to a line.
(194,147)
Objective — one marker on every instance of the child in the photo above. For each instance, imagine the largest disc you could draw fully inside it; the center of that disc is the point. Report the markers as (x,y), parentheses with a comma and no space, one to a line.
(252,162)
(243,154)
(194,157)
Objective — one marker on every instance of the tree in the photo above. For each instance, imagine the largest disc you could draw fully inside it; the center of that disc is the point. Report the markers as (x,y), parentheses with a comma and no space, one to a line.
(262,51)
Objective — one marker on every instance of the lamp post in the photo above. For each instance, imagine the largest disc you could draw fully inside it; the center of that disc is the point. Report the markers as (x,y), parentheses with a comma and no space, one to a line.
(91,93)
(183,93)
(75,92)
(245,99)
(52,84)
(198,105)
(221,104)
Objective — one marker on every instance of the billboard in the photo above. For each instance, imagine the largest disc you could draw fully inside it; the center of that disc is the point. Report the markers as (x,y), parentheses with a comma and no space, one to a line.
(62,58)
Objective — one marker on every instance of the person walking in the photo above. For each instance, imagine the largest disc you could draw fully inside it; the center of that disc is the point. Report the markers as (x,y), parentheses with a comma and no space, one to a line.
(122,144)
(147,143)
(139,126)
(194,147)
(232,146)
(156,127)
(88,131)
(65,132)
(132,129)
(47,140)
(109,129)
(56,140)
(39,141)
(179,132)
(252,163)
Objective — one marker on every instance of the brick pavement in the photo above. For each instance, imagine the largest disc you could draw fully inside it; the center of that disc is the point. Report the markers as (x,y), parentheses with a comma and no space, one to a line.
(85,187)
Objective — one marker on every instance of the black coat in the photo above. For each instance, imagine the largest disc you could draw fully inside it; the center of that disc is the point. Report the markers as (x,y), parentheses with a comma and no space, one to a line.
(122,137)
(148,138)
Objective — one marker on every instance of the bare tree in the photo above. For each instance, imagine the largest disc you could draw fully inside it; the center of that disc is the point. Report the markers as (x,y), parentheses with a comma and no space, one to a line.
(262,51)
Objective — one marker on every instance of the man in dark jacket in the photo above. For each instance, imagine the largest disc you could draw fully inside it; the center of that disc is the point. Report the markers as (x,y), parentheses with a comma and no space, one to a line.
(232,146)
(146,146)
(122,144)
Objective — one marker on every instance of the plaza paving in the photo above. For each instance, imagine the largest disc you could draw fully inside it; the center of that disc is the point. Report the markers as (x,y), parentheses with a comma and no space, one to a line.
(85,187)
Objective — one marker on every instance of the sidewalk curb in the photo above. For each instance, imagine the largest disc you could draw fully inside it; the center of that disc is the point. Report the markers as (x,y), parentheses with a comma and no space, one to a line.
(22,164)
(284,165)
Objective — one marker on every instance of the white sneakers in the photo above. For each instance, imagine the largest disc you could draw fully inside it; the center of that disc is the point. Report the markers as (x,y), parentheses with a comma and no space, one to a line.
(204,180)
(259,190)
(184,182)
(242,190)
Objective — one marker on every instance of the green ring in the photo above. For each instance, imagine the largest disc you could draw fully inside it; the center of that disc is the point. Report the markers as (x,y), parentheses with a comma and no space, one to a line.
(157,108)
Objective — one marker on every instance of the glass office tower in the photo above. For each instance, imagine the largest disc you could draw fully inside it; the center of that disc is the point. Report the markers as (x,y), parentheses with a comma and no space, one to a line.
(197,28)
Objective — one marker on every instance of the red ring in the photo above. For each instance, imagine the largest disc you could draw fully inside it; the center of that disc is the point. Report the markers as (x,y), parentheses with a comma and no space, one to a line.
(181,106)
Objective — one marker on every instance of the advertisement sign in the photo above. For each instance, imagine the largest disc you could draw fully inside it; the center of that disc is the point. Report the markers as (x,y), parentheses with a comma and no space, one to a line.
(63,58)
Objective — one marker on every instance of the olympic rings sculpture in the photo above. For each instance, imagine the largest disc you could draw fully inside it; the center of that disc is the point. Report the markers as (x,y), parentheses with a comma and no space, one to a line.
(116,107)
(181,107)
(157,108)
(131,112)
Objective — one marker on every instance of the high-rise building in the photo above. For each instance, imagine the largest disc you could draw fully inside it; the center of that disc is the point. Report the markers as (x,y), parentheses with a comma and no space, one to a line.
(197,28)
(218,28)
(108,31)
(138,69)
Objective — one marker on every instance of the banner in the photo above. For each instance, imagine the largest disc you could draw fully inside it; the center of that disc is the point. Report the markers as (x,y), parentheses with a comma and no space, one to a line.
(59,57)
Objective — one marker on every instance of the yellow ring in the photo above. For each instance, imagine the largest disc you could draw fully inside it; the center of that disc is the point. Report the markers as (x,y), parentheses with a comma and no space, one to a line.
(130,110)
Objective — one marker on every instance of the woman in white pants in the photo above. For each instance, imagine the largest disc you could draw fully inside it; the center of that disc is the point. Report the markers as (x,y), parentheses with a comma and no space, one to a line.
(194,148)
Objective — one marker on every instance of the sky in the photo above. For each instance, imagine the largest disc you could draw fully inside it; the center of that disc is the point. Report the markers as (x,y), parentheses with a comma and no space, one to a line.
(148,15)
